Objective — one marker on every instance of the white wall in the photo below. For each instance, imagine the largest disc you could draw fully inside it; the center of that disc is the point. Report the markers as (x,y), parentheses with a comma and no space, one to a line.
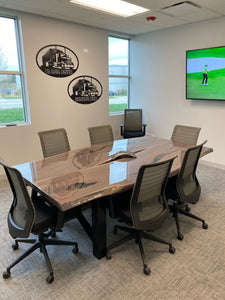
(50,105)
(158,82)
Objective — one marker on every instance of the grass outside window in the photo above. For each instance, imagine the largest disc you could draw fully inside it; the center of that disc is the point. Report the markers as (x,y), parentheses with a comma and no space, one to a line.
(11,115)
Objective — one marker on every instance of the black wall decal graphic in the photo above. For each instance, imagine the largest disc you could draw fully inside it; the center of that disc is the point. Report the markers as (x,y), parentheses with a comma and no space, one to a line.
(85,89)
(57,61)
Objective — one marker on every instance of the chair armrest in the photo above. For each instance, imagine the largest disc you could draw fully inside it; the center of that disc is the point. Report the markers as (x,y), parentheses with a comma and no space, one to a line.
(144,125)
(121,128)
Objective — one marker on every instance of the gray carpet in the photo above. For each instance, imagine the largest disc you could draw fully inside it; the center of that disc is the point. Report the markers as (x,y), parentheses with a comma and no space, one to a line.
(195,271)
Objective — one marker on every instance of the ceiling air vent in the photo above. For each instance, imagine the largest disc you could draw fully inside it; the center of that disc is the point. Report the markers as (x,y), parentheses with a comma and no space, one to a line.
(181,9)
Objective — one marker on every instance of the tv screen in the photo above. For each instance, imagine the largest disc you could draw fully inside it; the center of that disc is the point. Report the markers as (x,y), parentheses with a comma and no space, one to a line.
(205,74)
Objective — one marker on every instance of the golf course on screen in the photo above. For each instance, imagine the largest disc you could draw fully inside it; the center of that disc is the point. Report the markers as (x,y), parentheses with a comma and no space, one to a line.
(205,76)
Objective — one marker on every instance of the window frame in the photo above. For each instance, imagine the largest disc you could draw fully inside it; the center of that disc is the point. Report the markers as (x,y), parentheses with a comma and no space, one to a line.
(21,72)
(121,76)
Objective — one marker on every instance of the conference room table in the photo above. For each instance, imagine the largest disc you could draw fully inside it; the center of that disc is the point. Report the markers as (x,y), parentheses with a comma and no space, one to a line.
(90,174)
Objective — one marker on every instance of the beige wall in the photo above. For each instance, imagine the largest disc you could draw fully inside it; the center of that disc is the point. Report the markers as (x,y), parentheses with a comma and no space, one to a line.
(50,105)
(158,82)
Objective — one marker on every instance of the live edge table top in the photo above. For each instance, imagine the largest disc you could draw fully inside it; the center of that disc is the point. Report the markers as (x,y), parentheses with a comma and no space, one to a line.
(79,176)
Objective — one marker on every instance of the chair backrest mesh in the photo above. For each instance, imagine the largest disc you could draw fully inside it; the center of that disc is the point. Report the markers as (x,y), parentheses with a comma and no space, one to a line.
(21,215)
(132,119)
(148,202)
(101,134)
(185,134)
(54,142)
(187,183)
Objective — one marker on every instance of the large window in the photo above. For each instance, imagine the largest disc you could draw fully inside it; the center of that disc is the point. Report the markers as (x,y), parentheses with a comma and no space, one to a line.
(118,74)
(13,102)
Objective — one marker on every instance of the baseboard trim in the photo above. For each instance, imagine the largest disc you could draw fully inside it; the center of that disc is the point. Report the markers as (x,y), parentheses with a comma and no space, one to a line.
(211,164)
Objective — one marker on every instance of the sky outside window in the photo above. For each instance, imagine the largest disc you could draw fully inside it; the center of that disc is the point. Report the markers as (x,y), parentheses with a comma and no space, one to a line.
(118,53)
(118,74)
(14,108)
(8,45)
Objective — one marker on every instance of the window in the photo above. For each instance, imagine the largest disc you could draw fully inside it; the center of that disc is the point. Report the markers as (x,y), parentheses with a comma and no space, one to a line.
(119,74)
(13,103)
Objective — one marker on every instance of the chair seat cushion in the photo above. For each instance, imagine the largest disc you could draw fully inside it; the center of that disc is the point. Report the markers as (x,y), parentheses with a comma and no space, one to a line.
(130,134)
(46,215)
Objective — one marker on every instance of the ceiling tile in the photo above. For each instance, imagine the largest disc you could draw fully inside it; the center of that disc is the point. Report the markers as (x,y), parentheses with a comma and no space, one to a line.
(180,9)
(204,14)
(154,4)
(215,5)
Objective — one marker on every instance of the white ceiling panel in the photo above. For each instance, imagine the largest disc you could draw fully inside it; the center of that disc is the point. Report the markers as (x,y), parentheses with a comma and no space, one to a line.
(135,27)
(62,9)
(203,14)
(78,11)
(214,5)
(36,4)
(154,4)
(181,9)
(163,20)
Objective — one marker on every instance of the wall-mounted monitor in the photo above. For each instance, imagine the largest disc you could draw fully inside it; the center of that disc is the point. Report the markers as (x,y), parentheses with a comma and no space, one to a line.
(205,74)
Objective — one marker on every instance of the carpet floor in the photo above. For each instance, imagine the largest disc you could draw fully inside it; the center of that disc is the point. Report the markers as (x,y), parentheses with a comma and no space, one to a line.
(195,271)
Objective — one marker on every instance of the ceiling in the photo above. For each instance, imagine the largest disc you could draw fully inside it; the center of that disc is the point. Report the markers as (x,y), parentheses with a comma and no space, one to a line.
(168,13)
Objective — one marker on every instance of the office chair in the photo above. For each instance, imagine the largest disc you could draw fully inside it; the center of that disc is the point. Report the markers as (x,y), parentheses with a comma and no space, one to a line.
(103,134)
(54,142)
(185,188)
(132,126)
(185,134)
(100,134)
(147,209)
(31,216)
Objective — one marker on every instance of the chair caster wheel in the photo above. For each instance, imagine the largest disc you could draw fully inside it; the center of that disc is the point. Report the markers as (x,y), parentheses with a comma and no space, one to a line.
(187,208)
(115,231)
(75,249)
(15,246)
(180,236)
(172,250)
(6,275)
(204,225)
(53,234)
(108,255)
(50,279)
(146,270)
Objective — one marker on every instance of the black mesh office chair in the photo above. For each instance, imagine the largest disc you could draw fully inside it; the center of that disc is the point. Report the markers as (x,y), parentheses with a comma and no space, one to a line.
(54,142)
(148,208)
(185,188)
(133,126)
(30,216)
(185,134)
(100,134)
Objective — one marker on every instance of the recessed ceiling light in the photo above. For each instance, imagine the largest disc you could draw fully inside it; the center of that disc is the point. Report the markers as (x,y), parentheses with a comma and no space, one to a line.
(117,7)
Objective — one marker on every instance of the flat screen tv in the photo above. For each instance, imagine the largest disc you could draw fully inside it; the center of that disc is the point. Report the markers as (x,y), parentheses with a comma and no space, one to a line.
(205,74)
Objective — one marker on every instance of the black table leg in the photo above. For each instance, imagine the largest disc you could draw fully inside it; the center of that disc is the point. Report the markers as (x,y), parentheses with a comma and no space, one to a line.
(84,223)
(99,227)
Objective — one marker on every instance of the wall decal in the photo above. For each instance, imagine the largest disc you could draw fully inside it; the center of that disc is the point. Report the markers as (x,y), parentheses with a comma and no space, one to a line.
(85,89)
(57,61)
